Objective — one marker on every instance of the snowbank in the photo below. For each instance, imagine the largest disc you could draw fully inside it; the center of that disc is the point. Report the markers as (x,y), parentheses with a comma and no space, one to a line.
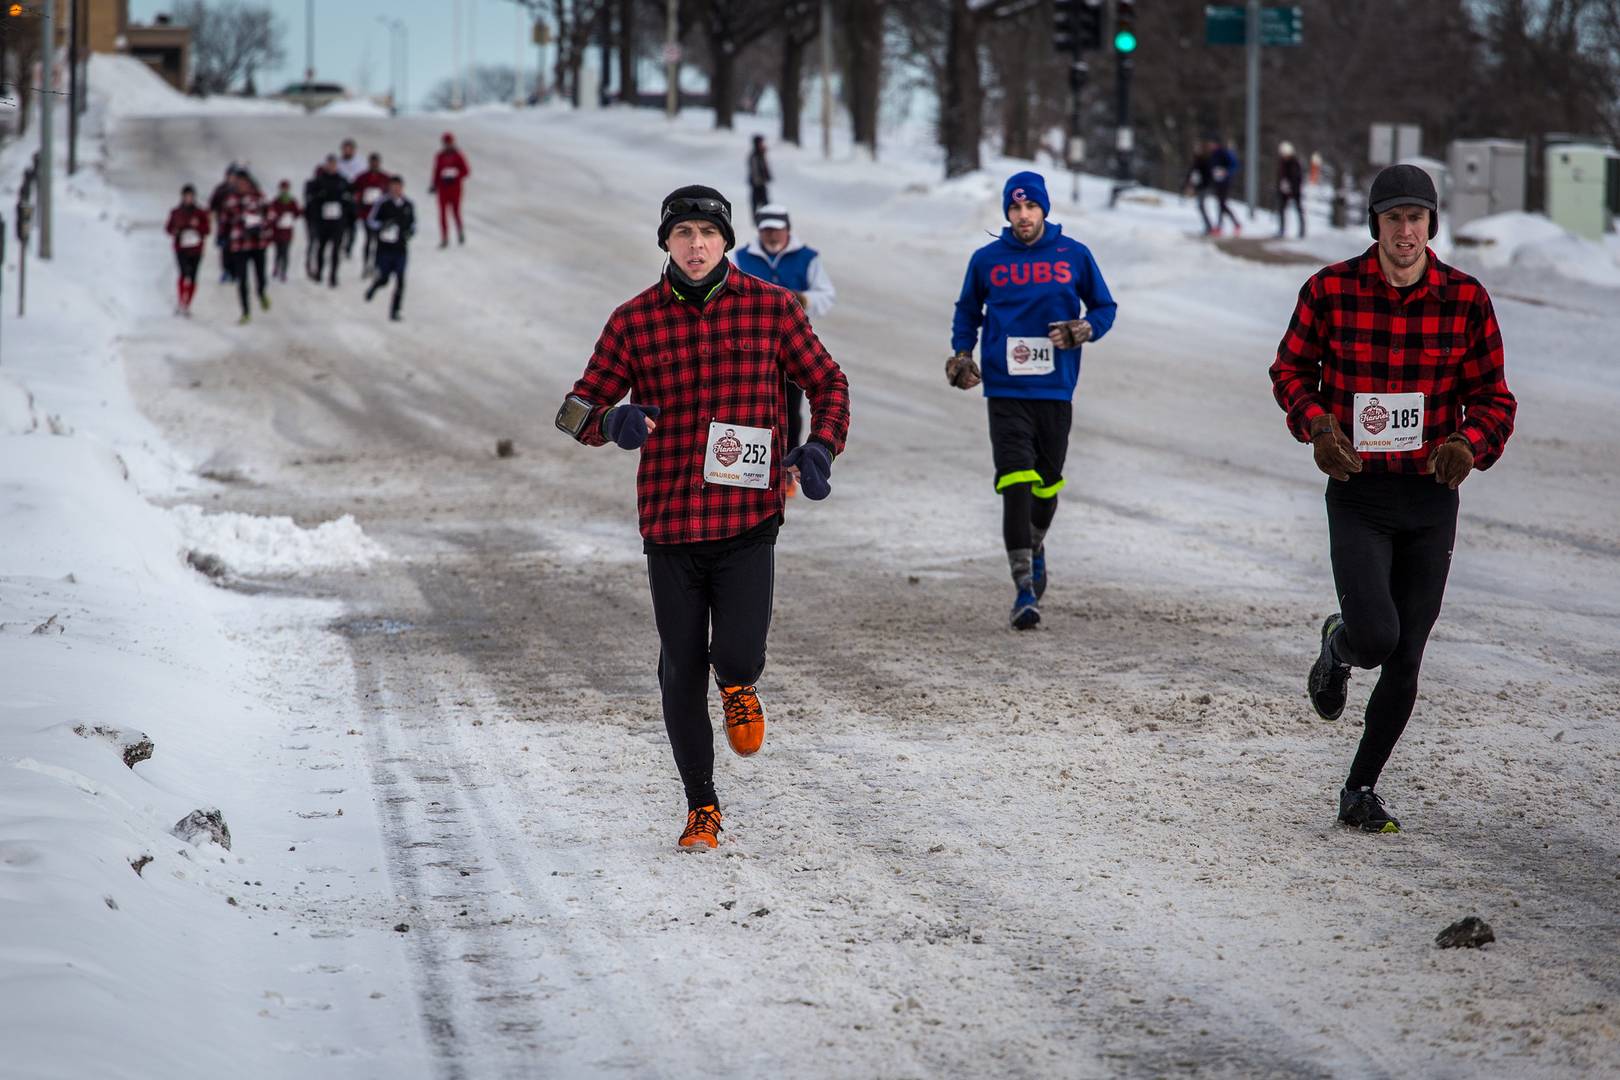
(1532,242)
(353,107)
(131,88)
(275,545)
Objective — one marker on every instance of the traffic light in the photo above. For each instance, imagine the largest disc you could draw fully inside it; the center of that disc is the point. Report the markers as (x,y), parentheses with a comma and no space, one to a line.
(1125,27)
(1077,25)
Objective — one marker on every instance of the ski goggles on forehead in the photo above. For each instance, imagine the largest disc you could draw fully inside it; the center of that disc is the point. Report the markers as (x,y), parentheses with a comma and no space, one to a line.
(676,207)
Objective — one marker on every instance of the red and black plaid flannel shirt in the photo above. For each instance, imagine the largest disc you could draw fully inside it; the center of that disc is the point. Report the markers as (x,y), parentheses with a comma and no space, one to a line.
(234,215)
(726,360)
(1353,332)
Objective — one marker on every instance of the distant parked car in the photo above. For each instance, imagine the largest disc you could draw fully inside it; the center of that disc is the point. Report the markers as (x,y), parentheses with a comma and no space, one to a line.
(313,95)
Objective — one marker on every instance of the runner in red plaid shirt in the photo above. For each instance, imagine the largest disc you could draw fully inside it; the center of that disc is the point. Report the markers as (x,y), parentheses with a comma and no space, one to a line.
(706,353)
(1392,369)
(244,218)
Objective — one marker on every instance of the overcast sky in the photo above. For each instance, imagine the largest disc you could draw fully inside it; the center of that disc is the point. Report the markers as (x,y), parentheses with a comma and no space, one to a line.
(351,46)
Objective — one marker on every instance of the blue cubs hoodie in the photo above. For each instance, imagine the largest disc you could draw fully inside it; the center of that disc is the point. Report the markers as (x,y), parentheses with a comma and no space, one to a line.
(1016,289)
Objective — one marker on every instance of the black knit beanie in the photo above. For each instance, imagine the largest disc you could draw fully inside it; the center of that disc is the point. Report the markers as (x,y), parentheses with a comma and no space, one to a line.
(682,205)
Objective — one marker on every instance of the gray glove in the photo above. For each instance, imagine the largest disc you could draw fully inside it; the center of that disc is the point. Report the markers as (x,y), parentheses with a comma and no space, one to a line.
(961,372)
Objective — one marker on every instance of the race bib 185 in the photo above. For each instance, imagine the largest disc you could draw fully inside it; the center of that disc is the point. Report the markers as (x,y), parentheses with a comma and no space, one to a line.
(1029,356)
(738,456)
(1387,423)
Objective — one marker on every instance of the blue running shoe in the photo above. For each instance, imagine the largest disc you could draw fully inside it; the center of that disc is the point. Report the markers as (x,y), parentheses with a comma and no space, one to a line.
(1026,615)
(1037,566)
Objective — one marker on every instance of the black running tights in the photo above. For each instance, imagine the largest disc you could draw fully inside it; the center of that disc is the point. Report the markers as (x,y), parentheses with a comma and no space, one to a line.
(1022,513)
(712,610)
(1391,545)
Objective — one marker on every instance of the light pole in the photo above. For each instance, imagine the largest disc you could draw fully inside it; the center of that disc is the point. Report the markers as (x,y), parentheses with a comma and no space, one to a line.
(396,27)
(309,41)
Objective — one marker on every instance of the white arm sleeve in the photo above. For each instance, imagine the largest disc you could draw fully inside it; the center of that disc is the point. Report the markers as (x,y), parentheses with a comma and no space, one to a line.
(820,293)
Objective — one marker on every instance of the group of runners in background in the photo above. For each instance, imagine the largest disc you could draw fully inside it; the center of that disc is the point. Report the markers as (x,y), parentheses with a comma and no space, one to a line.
(347,196)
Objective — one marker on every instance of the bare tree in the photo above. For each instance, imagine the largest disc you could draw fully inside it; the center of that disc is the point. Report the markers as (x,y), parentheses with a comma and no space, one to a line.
(230,41)
(801,25)
(862,22)
(486,83)
(729,27)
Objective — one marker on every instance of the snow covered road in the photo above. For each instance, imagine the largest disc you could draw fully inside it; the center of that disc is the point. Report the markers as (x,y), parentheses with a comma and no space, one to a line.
(1102,849)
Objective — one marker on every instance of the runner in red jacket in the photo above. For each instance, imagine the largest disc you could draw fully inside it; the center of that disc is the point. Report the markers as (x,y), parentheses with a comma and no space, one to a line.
(370,188)
(284,214)
(449,170)
(706,353)
(188,224)
(245,220)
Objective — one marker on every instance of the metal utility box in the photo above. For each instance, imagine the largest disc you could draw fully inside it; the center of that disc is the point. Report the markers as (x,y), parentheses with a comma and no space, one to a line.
(1487,177)
(1577,183)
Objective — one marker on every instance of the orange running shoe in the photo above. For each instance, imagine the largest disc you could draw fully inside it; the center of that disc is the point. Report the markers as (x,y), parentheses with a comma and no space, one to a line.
(702,827)
(745,719)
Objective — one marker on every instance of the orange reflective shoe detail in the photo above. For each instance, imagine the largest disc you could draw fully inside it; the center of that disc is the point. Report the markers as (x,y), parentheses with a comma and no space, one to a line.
(702,827)
(745,719)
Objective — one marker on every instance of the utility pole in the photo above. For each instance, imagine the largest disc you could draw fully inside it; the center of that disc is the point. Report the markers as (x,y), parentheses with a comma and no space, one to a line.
(826,78)
(73,86)
(517,57)
(672,58)
(1076,30)
(1124,68)
(309,41)
(455,56)
(47,83)
(1251,111)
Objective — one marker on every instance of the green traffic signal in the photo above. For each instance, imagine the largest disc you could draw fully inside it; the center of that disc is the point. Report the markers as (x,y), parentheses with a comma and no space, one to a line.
(1125,42)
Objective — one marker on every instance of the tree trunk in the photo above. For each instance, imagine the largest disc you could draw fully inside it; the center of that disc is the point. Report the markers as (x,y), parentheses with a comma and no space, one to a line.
(628,90)
(790,86)
(863,41)
(961,112)
(722,81)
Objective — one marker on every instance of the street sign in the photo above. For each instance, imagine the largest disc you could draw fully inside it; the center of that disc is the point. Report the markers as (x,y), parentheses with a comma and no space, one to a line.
(1227,24)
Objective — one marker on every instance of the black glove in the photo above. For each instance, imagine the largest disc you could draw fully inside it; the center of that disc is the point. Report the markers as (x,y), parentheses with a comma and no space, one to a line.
(814,462)
(627,424)
(961,372)
(1335,454)
(1452,460)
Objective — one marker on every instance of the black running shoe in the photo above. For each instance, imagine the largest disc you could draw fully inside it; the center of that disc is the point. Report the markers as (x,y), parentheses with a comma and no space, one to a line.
(1328,679)
(1363,809)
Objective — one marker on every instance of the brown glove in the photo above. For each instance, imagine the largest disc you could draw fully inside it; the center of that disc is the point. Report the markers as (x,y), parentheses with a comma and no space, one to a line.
(1335,454)
(1068,334)
(1452,460)
(961,372)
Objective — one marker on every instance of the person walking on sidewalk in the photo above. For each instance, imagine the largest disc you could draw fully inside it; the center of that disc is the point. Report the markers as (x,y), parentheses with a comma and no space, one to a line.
(1025,290)
(332,206)
(370,187)
(392,223)
(1290,188)
(1392,369)
(776,256)
(704,353)
(188,224)
(1223,170)
(759,177)
(284,215)
(246,221)
(450,171)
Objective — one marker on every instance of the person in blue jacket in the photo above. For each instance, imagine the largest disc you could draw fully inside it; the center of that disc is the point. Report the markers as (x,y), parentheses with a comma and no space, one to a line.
(778,257)
(1022,300)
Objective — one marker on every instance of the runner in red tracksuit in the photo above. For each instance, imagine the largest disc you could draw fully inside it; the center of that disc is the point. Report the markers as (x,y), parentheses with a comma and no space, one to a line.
(370,188)
(245,220)
(449,170)
(188,224)
(284,214)
(705,354)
